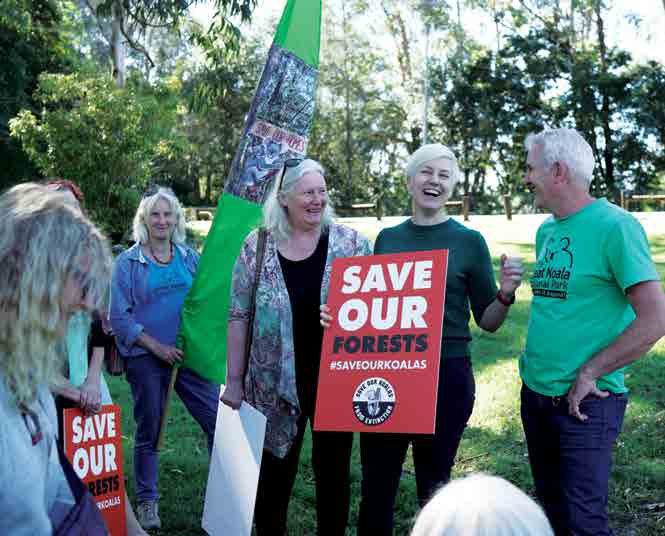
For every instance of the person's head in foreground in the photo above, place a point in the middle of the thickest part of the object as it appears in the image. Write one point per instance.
(299, 201)
(68, 188)
(559, 168)
(53, 261)
(481, 505)
(432, 173)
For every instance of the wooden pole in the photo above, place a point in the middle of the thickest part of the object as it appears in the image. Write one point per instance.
(623, 200)
(165, 411)
(465, 207)
(507, 205)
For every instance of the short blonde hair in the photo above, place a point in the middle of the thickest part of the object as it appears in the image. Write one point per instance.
(44, 241)
(140, 227)
(275, 217)
(429, 152)
(481, 505)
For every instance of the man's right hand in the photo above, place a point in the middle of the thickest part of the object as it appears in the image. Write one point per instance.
(233, 395)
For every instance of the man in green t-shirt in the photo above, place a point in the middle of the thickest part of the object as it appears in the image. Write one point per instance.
(597, 306)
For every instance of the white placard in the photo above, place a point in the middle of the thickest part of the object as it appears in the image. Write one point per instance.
(234, 471)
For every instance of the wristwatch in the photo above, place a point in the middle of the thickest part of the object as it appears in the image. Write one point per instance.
(505, 301)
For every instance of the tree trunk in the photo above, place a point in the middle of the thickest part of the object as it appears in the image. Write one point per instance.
(397, 28)
(117, 45)
(608, 151)
(347, 98)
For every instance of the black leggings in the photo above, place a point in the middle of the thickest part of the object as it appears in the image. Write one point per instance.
(331, 455)
(382, 455)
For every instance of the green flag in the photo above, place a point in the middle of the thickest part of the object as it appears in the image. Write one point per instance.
(277, 128)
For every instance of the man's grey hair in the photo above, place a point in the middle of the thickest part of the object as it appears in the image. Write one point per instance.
(565, 145)
(275, 216)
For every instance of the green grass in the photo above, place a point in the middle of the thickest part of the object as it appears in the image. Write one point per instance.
(493, 442)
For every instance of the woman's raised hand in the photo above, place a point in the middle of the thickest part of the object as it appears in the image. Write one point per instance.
(511, 274)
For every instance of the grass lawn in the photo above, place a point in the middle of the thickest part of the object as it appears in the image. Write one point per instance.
(493, 442)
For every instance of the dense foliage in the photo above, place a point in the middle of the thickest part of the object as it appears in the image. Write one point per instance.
(117, 93)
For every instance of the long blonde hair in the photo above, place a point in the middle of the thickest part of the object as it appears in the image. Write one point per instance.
(44, 241)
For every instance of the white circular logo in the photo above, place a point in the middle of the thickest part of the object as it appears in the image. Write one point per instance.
(374, 401)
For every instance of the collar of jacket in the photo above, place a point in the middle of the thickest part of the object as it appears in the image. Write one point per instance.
(136, 254)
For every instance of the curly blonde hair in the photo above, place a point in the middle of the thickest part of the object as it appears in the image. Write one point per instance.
(140, 227)
(44, 242)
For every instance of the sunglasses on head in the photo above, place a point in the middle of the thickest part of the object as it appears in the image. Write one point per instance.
(154, 188)
(288, 163)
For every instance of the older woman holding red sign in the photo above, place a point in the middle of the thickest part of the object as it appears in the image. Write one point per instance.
(280, 376)
(53, 262)
(432, 173)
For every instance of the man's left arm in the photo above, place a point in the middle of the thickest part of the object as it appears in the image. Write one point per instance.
(637, 339)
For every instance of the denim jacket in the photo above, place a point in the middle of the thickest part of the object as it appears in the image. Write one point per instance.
(129, 288)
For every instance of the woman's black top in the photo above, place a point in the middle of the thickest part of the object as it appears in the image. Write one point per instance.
(303, 282)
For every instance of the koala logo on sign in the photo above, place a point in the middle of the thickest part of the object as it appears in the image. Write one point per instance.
(374, 401)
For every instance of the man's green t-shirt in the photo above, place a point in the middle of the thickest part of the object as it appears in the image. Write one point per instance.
(470, 278)
(584, 264)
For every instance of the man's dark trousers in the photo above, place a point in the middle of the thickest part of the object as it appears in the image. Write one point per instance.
(571, 459)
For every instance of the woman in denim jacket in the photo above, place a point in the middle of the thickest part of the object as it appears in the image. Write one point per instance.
(150, 282)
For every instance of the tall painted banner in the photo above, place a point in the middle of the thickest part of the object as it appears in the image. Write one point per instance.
(277, 128)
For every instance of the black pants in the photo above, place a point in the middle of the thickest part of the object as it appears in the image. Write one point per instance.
(382, 455)
(331, 458)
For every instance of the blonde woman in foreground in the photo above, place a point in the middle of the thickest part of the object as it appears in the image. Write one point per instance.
(53, 262)
(481, 505)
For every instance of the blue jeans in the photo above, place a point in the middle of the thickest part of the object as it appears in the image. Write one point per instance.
(149, 379)
(382, 455)
(571, 459)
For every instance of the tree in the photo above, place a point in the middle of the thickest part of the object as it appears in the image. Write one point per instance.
(102, 137)
(31, 42)
(127, 22)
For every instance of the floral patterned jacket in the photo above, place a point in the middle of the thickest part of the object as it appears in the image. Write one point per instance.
(270, 382)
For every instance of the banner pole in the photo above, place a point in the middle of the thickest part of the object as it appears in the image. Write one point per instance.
(165, 413)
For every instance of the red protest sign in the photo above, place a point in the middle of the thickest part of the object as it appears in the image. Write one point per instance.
(93, 445)
(380, 356)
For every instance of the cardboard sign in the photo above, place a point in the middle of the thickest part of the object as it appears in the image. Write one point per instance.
(93, 445)
(380, 356)
(234, 471)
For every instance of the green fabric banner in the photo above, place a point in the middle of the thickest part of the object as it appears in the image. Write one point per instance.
(205, 311)
(276, 129)
(299, 30)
